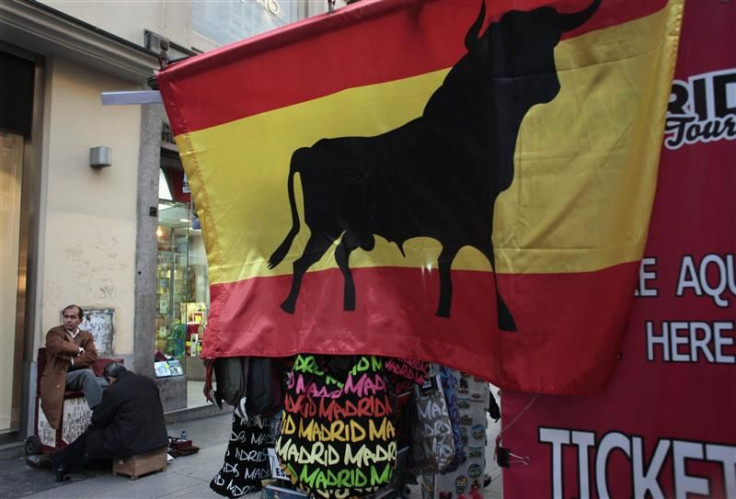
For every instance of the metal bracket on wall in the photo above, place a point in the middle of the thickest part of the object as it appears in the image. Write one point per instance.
(131, 97)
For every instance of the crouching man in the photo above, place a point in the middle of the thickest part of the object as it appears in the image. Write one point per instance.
(128, 421)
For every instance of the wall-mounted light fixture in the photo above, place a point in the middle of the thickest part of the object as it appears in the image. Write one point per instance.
(100, 156)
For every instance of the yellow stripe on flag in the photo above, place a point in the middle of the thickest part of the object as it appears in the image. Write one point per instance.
(582, 190)
(585, 164)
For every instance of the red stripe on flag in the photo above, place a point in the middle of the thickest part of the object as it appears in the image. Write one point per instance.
(588, 311)
(368, 43)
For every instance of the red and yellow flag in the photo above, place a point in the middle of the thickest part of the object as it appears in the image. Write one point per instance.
(451, 181)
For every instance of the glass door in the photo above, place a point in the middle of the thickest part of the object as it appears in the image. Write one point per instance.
(174, 288)
(11, 170)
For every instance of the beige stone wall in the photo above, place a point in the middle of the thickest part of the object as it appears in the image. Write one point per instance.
(170, 18)
(88, 219)
(129, 19)
(125, 19)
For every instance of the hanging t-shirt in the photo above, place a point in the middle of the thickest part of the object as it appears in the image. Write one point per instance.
(337, 436)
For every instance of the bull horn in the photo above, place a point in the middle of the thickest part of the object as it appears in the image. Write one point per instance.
(571, 21)
(472, 35)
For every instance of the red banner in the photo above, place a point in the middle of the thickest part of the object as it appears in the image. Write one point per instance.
(666, 425)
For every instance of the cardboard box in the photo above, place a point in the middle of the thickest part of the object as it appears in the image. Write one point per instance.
(274, 492)
(140, 464)
(273, 461)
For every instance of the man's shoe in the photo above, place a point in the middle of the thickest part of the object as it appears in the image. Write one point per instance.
(61, 474)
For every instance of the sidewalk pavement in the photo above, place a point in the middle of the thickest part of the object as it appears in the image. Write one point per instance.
(186, 476)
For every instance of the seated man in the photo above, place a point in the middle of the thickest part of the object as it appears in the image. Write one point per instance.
(70, 353)
(128, 421)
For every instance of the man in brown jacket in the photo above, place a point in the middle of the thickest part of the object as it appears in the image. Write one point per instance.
(70, 353)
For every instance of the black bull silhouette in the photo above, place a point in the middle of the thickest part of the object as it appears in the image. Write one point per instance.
(438, 175)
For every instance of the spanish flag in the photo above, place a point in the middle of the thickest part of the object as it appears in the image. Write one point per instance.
(462, 182)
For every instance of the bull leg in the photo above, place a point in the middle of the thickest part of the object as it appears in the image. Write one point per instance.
(503, 314)
(342, 255)
(505, 319)
(313, 251)
(444, 262)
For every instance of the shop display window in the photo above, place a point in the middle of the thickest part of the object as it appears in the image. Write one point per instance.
(182, 292)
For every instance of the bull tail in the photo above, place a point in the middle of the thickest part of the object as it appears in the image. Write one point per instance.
(283, 248)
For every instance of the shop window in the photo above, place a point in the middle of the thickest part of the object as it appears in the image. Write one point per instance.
(182, 285)
(11, 172)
